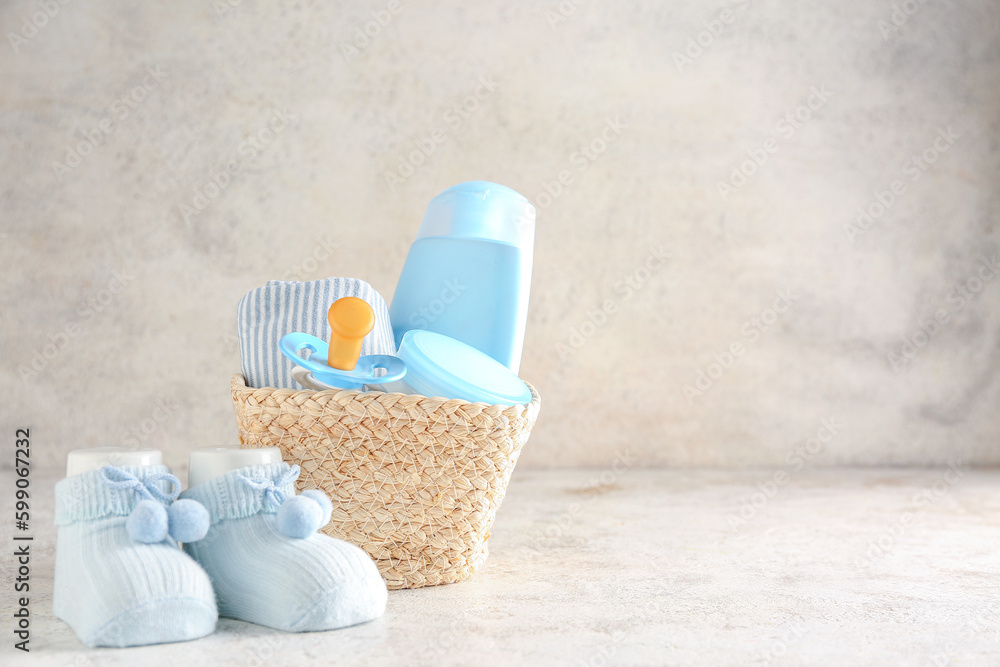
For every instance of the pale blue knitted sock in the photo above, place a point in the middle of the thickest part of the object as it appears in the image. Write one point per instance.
(112, 589)
(263, 575)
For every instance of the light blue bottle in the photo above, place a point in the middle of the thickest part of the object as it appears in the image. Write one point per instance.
(468, 273)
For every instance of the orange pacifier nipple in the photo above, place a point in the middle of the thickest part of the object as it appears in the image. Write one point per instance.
(351, 319)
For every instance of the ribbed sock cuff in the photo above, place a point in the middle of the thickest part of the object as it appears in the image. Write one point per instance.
(246, 491)
(87, 496)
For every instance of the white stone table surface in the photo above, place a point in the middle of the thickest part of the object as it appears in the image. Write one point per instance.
(649, 567)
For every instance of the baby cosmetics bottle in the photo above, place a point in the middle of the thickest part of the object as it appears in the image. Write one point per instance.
(468, 272)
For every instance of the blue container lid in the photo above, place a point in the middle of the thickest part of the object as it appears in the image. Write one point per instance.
(481, 210)
(438, 365)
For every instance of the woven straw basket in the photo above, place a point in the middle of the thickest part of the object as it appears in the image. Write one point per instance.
(415, 481)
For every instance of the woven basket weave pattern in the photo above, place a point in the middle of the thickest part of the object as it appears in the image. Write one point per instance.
(415, 481)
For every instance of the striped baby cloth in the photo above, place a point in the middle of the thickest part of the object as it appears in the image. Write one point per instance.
(267, 313)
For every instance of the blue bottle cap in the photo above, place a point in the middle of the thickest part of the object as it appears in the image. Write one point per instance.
(437, 365)
(481, 210)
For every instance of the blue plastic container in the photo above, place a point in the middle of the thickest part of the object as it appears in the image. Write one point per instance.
(437, 365)
(468, 273)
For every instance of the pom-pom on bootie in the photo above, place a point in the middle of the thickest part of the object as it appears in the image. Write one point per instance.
(158, 514)
(267, 562)
(120, 578)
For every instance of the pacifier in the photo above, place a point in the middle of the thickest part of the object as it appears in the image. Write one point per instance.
(337, 365)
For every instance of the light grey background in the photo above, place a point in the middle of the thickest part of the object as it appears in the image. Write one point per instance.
(176, 93)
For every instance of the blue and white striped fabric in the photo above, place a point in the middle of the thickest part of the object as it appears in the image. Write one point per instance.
(267, 313)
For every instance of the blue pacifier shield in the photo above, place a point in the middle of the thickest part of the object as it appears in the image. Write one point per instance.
(293, 344)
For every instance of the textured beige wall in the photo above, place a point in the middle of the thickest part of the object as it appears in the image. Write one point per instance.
(102, 258)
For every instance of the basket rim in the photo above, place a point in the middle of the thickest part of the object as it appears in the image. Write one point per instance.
(238, 385)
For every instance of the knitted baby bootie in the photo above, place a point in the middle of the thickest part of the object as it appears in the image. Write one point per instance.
(267, 562)
(120, 578)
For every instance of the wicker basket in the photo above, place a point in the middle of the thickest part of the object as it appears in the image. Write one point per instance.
(415, 481)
